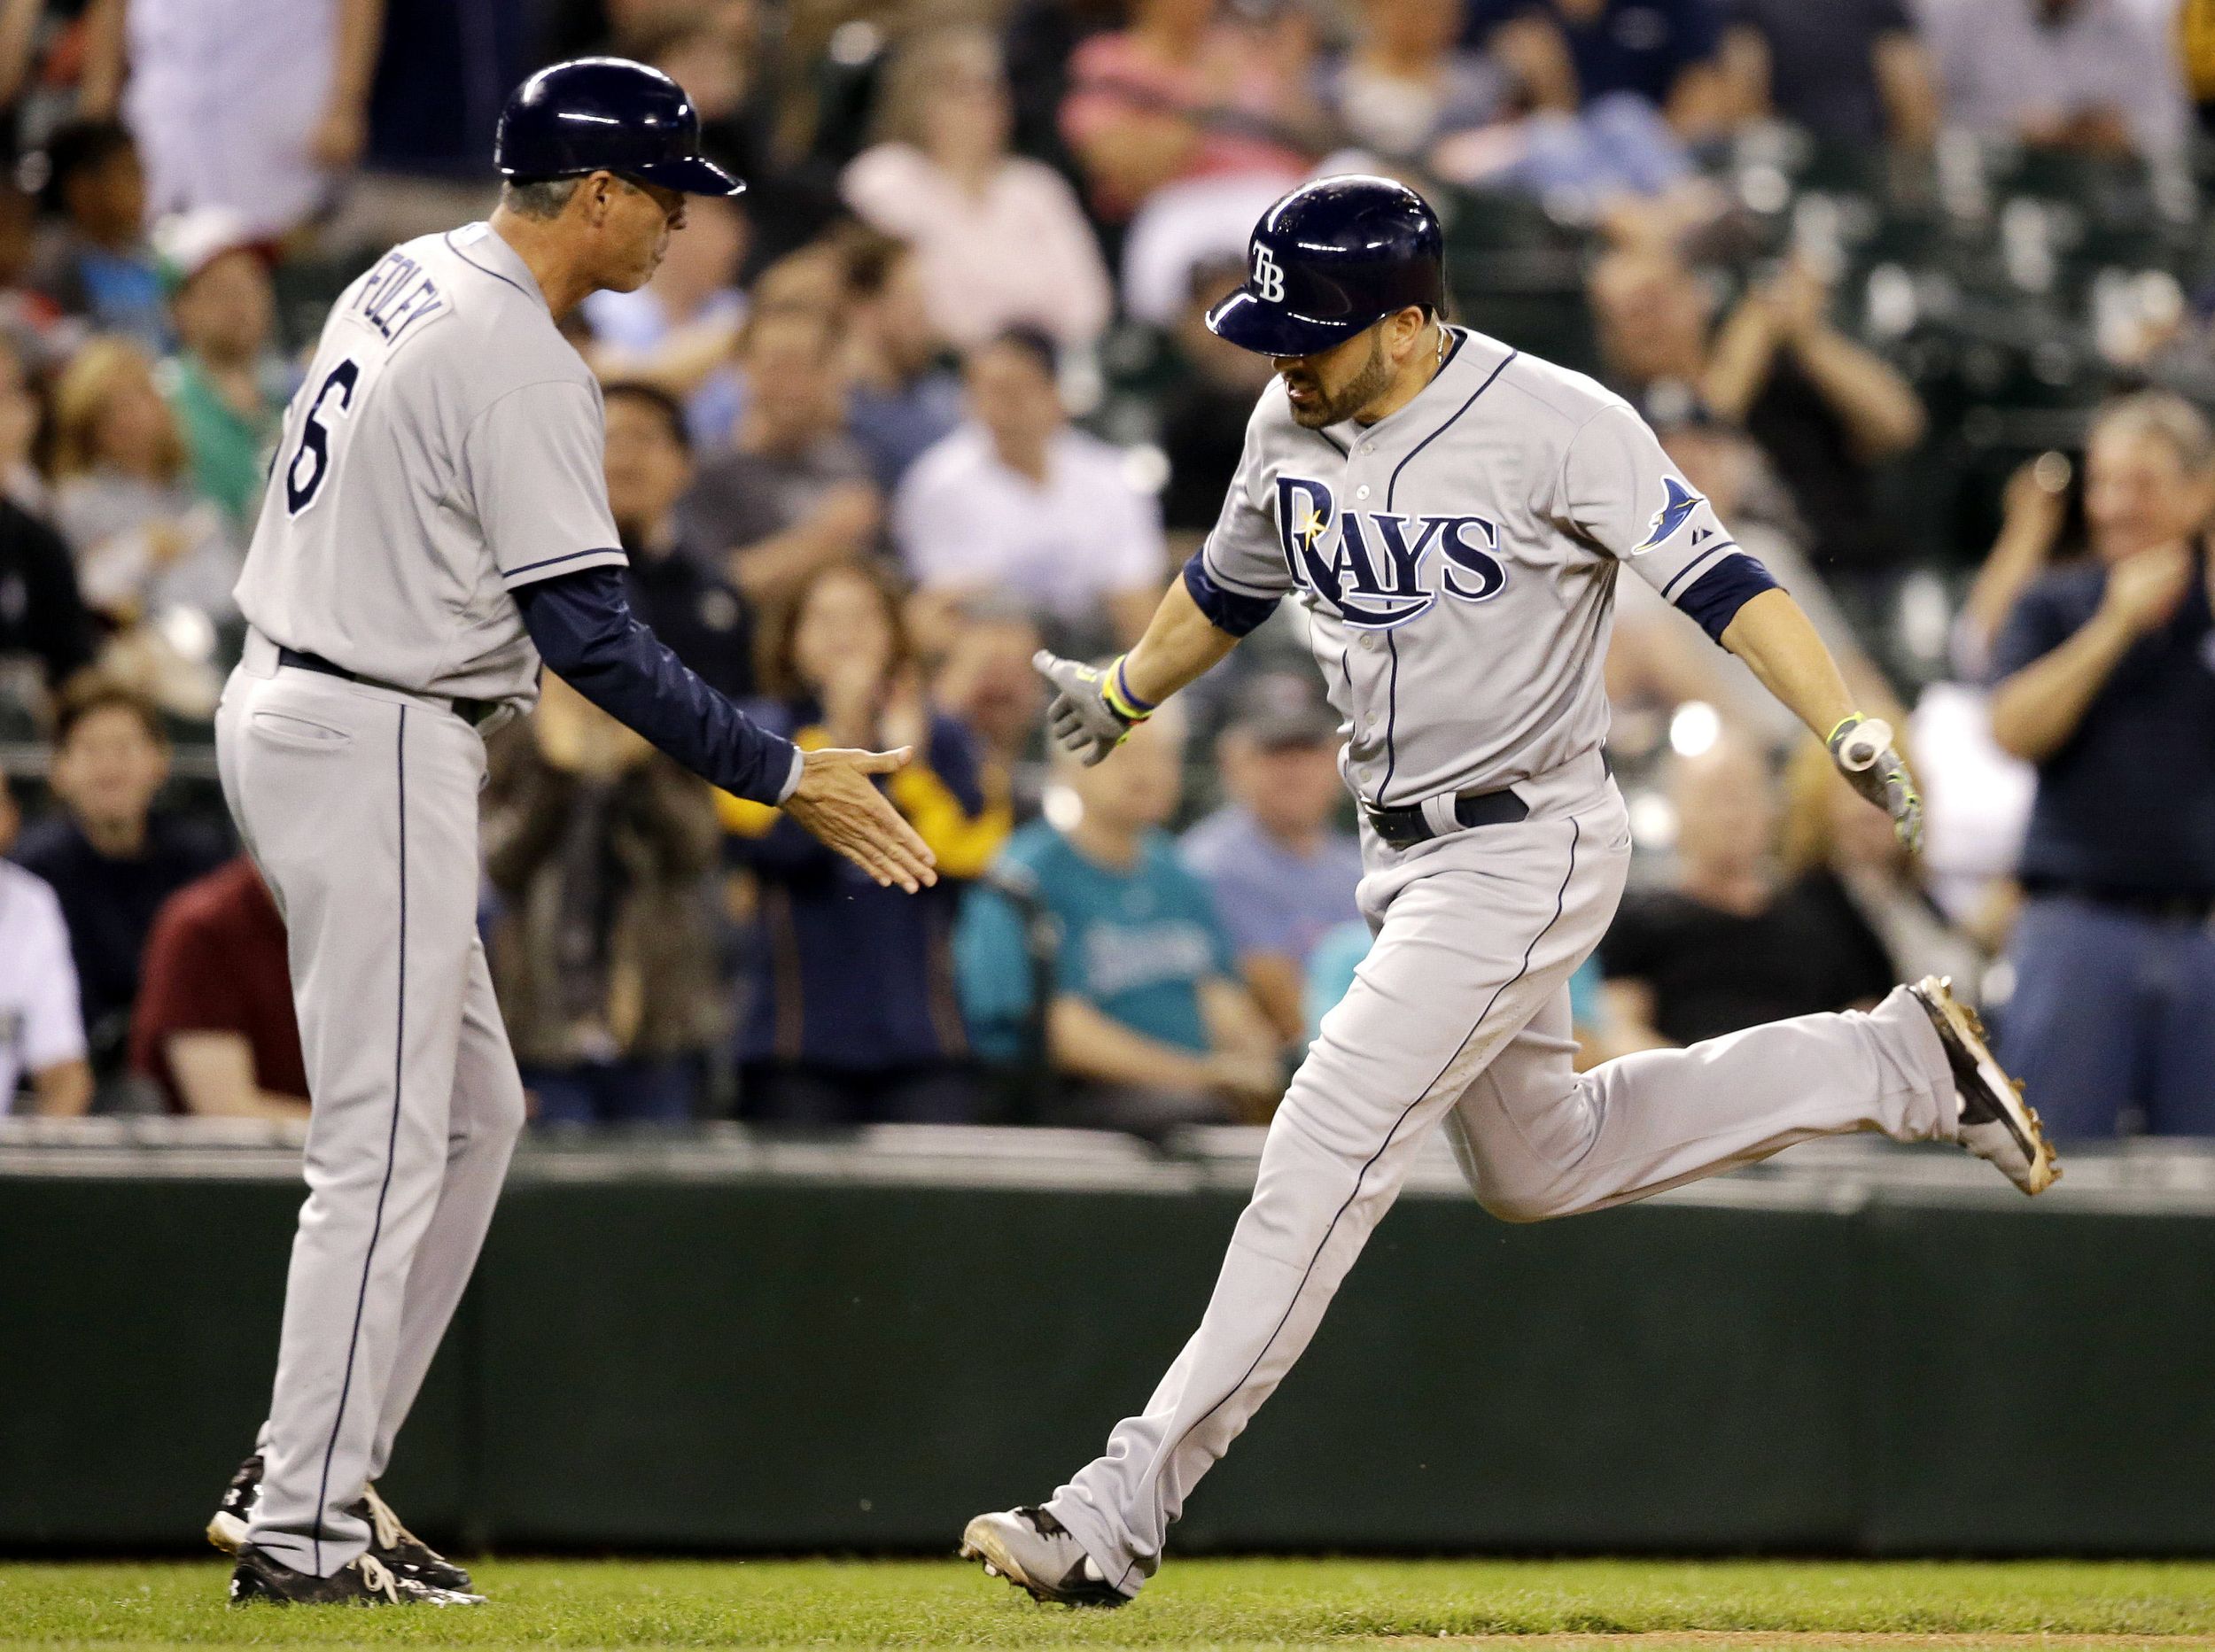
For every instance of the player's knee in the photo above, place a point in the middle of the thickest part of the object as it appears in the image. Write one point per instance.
(1519, 1201)
(502, 1113)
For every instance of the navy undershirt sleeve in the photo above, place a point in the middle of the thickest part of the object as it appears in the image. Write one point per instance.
(1716, 596)
(586, 634)
(1226, 610)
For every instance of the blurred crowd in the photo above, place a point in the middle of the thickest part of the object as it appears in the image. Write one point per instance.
(935, 392)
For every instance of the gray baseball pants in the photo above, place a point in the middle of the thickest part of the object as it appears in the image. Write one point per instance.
(358, 805)
(1460, 1014)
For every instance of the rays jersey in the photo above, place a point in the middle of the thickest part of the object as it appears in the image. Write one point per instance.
(1458, 561)
(444, 451)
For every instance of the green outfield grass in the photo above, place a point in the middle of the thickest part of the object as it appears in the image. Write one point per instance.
(1195, 1603)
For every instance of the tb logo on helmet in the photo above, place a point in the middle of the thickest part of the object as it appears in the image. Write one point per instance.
(1269, 275)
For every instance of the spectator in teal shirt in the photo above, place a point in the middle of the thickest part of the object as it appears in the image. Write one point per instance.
(225, 384)
(1148, 1026)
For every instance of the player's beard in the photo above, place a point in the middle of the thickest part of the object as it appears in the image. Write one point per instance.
(1365, 387)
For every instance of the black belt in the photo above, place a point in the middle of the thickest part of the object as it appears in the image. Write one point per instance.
(2173, 909)
(1405, 827)
(470, 711)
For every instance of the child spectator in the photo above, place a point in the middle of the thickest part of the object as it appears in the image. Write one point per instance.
(1000, 240)
(111, 857)
(214, 1030)
(853, 1016)
(1148, 1026)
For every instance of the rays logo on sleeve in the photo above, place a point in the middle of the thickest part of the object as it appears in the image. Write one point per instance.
(1679, 505)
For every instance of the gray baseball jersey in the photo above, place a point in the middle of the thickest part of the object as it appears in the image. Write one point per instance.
(1458, 561)
(445, 450)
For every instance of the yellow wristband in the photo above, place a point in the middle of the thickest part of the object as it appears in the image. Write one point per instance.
(1118, 693)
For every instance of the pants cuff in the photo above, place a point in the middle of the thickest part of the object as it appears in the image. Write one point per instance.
(1912, 1062)
(1083, 1523)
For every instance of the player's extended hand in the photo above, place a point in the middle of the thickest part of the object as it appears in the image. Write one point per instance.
(837, 801)
(1861, 746)
(1081, 717)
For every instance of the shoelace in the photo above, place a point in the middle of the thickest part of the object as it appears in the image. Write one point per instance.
(379, 1577)
(383, 1522)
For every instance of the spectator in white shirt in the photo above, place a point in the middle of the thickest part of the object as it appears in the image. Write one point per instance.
(2098, 76)
(1001, 239)
(42, 1034)
(1017, 501)
(259, 106)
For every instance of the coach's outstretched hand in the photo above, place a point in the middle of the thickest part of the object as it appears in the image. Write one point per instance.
(1861, 746)
(837, 801)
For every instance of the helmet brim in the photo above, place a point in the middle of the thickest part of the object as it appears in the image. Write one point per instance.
(1269, 330)
(689, 175)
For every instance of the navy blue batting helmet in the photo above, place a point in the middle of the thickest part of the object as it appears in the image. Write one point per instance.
(1333, 257)
(594, 114)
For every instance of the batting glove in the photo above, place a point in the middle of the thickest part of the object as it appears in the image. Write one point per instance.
(1861, 748)
(1093, 709)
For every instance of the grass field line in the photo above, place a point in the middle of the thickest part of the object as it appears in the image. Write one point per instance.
(1344, 1604)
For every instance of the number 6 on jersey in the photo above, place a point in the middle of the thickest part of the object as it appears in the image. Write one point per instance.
(314, 451)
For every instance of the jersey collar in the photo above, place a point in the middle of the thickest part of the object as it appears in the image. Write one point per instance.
(480, 246)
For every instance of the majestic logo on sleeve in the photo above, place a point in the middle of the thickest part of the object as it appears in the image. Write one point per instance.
(1376, 568)
(1677, 508)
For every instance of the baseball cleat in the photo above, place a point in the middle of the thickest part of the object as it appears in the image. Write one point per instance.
(364, 1581)
(227, 1530)
(1034, 1552)
(1996, 1123)
(393, 1545)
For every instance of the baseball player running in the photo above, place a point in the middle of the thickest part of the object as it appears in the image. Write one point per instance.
(436, 525)
(1453, 515)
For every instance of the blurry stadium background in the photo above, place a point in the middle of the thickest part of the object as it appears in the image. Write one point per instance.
(819, 1169)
